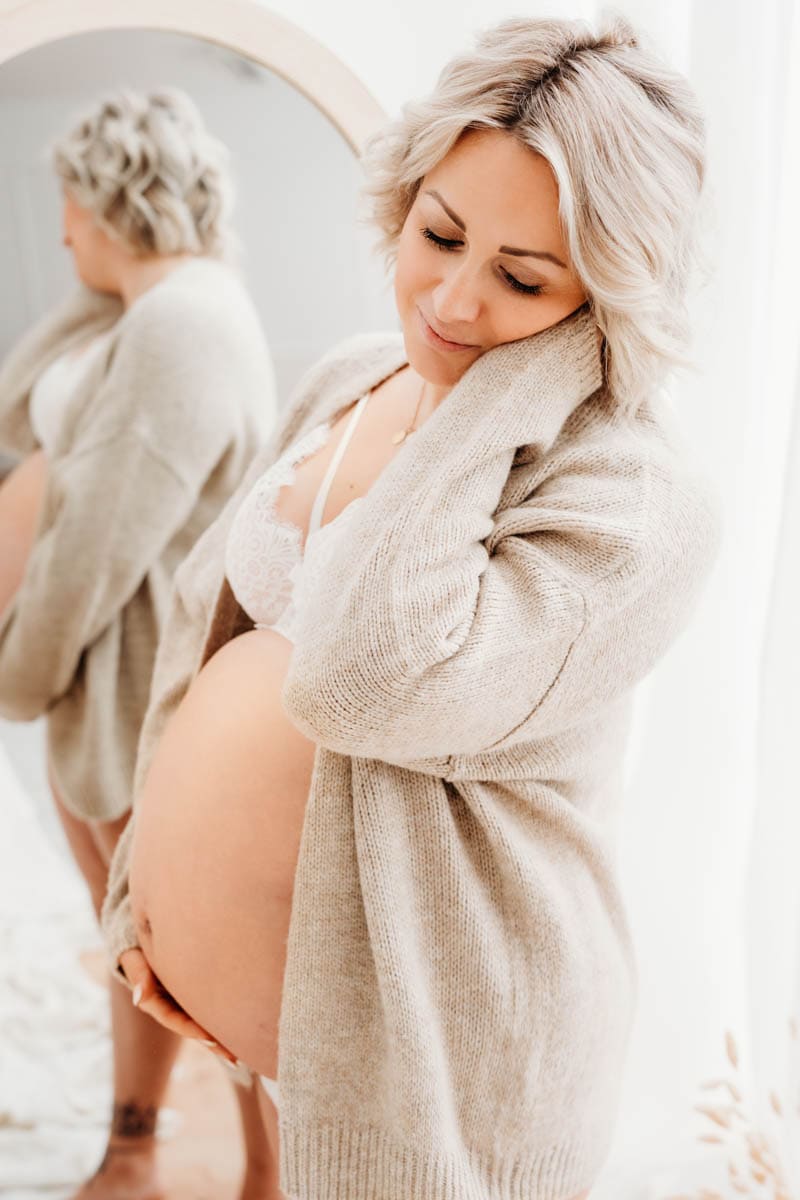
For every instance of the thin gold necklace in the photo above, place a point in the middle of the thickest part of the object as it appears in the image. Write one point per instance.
(401, 434)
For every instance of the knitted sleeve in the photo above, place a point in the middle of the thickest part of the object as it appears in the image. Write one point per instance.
(436, 647)
(446, 624)
(112, 504)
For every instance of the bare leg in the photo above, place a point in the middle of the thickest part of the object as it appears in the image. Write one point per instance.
(21, 494)
(260, 1127)
(144, 1054)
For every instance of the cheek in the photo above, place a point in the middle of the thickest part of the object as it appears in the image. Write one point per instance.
(403, 282)
(533, 315)
(412, 267)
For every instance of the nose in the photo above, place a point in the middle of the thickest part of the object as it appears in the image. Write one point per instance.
(455, 298)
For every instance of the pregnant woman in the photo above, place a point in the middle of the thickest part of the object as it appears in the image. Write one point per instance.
(372, 856)
(134, 409)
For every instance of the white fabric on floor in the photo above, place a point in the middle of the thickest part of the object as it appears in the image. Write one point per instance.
(54, 1047)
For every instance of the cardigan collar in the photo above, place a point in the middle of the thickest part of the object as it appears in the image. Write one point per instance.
(507, 380)
(516, 394)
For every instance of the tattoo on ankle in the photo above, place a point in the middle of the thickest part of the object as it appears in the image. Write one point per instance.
(131, 1120)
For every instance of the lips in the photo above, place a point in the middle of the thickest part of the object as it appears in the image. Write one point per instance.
(436, 338)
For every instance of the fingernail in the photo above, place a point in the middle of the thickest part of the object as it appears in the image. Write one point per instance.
(211, 1044)
(137, 994)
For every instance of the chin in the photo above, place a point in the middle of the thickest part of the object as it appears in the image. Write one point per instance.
(430, 365)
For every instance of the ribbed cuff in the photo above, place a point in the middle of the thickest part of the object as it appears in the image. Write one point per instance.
(332, 1162)
(119, 932)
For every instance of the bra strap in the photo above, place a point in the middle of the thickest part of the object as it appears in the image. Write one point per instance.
(324, 487)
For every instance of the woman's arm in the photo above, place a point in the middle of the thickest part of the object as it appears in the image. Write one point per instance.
(433, 629)
(196, 595)
(107, 517)
(195, 592)
(426, 632)
(157, 428)
(21, 499)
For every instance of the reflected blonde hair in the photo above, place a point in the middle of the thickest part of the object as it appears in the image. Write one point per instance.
(625, 139)
(151, 175)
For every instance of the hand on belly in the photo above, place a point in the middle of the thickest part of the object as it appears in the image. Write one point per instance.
(215, 846)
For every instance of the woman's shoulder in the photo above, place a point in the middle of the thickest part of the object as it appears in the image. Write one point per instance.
(203, 296)
(339, 375)
(642, 503)
(360, 351)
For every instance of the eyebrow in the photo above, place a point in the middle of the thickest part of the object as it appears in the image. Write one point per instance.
(503, 249)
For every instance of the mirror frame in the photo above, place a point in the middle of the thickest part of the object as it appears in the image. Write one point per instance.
(245, 26)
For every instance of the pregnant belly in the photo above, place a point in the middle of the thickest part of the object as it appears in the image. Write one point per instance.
(216, 842)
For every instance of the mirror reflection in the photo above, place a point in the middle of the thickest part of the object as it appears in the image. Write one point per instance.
(180, 244)
(376, 774)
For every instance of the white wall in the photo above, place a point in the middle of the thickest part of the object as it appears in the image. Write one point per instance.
(297, 183)
(685, 837)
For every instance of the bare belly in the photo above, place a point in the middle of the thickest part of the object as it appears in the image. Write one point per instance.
(216, 843)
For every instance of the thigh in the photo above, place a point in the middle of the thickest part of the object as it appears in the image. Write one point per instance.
(85, 850)
(106, 834)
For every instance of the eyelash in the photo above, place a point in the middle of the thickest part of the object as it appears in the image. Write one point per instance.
(533, 289)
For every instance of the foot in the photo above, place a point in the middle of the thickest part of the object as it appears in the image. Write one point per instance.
(128, 1172)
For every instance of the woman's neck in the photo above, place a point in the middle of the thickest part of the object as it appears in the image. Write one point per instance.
(138, 275)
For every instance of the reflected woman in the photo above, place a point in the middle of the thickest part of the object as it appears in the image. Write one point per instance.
(134, 409)
(372, 853)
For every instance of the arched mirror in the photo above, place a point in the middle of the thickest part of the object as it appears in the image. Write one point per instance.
(308, 262)
(293, 118)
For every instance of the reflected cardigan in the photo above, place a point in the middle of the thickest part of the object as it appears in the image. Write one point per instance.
(153, 441)
(460, 980)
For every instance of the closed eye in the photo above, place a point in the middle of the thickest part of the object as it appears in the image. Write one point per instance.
(445, 244)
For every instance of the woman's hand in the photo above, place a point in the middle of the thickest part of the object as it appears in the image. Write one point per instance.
(150, 995)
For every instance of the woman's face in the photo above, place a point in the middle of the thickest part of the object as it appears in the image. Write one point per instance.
(481, 259)
(93, 252)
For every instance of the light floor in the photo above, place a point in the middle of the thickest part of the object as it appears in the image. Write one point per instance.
(54, 1048)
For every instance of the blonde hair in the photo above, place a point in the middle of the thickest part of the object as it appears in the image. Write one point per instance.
(625, 139)
(151, 175)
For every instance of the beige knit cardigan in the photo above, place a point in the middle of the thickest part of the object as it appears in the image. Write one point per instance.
(460, 980)
(154, 440)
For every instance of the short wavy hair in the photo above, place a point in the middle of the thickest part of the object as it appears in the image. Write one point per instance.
(625, 139)
(154, 179)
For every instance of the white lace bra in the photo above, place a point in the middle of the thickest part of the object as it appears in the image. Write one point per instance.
(54, 386)
(265, 562)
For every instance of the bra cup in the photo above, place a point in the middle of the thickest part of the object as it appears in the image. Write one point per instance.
(264, 555)
(261, 550)
(320, 545)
